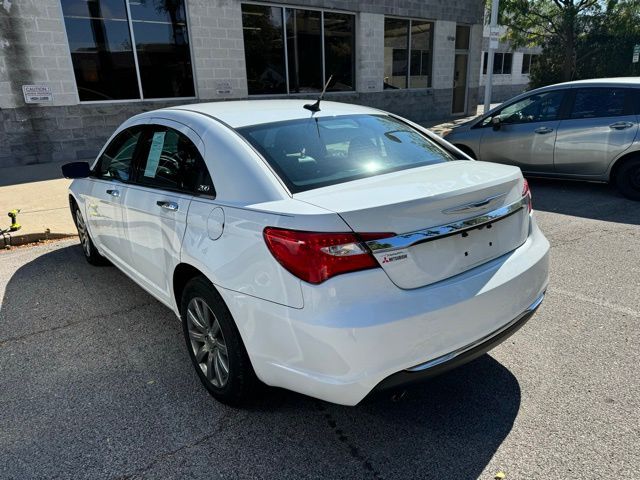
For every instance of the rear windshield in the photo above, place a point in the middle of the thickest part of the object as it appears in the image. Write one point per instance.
(317, 152)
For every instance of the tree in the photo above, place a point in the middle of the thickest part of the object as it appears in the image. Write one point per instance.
(579, 38)
(555, 25)
(606, 47)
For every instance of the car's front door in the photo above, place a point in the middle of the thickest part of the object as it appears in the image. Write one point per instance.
(600, 126)
(527, 132)
(111, 176)
(167, 176)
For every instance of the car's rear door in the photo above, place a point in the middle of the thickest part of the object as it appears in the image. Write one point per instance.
(167, 176)
(111, 178)
(527, 133)
(601, 125)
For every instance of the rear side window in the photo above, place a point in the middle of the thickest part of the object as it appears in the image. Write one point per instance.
(170, 161)
(602, 102)
(316, 152)
(115, 162)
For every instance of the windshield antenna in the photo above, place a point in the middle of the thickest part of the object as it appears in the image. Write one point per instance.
(315, 107)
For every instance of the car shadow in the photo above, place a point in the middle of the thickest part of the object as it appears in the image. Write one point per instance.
(95, 372)
(597, 201)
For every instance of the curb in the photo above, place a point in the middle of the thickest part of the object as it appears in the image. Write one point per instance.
(25, 238)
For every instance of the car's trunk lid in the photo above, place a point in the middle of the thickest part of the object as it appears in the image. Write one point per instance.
(439, 215)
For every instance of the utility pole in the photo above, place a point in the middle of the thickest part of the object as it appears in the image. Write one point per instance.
(493, 44)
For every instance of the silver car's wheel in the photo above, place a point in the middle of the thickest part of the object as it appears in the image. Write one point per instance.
(207, 342)
(83, 234)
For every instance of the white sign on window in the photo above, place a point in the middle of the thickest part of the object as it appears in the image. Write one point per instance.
(494, 38)
(157, 143)
(37, 93)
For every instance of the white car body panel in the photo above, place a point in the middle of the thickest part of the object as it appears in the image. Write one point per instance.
(322, 340)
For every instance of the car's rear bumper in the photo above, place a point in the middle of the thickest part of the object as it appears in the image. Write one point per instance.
(357, 331)
(458, 357)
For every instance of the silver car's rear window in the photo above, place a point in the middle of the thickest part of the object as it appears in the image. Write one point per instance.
(317, 152)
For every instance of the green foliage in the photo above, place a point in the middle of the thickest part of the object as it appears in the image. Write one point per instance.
(579, 38)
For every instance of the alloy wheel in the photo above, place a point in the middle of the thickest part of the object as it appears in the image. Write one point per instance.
(207, 342)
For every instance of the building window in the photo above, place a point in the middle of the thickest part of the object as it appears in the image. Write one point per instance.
(407, 53)
(501, 63)
(106, 65)
(528, 60)
(318, 45)
(264, 49)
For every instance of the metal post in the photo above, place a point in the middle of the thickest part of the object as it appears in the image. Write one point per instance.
(489, 77)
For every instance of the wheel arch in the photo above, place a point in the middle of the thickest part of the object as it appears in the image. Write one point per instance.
(466, 149)
(181, 276)
(613, 171)
(73, 202)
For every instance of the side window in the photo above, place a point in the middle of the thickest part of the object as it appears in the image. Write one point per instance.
(115, 162)
(541, 107)
(602, 102)
(173, 162)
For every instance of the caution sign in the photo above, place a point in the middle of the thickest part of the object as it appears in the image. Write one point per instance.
(37, 93)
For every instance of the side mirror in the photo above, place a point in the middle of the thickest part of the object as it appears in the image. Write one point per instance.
(496, 123)
(76, 170)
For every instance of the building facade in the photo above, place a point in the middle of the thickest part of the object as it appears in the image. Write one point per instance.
(72, 70)
(511, 67)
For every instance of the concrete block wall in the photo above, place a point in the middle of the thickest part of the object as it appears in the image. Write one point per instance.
(444, 43)
(34, 50)
(369, 52)
(218, 48)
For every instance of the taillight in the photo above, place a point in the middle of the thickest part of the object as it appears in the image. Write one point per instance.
(317, 256)
(526, 192)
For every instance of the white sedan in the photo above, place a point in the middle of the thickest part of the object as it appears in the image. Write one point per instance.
(333, 252)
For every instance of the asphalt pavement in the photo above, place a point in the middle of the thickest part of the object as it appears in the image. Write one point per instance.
(95, 381)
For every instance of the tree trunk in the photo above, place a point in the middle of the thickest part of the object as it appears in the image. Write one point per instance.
(570, 19)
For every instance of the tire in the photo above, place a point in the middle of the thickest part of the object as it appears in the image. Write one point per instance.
(88, 248)
(628, 179)
(214, 344)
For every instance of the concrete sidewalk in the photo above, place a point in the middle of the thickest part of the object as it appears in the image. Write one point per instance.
(40, 192)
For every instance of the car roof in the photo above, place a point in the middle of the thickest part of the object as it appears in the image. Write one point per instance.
(593, 82)
(242, 113)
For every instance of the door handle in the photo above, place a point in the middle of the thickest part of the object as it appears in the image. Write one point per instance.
(172, 206)
(621, 125)
(113, 193)
(543, 130)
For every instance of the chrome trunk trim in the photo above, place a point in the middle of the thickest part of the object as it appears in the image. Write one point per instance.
(406, 240)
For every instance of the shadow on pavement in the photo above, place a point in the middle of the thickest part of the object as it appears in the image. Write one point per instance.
(582, 199)
(96, 382)
(30, 173)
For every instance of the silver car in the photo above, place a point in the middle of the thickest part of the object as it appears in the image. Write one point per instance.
(585, 130)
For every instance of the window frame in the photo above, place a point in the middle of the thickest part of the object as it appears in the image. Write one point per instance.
(485, 61)
(140, 159)
(284, 7)
(528, 72)
(135, 60)
(407, 81)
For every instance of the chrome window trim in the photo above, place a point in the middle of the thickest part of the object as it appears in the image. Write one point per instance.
(406, 240)
(444, 358)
